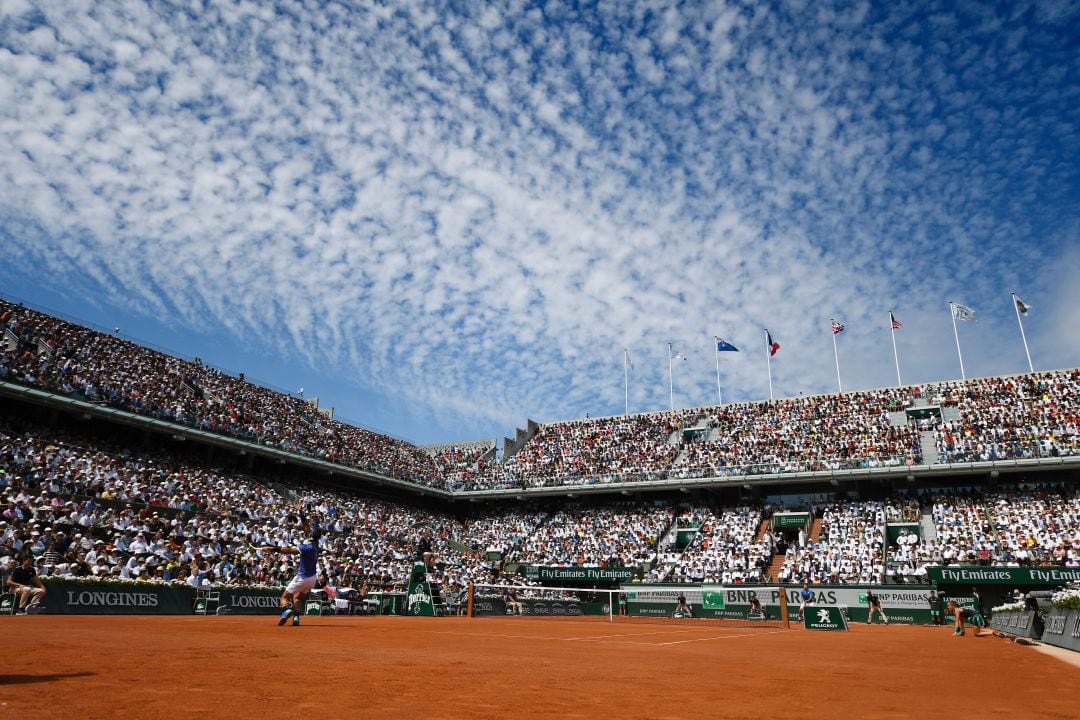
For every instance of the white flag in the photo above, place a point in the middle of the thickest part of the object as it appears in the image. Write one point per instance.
(962, 312)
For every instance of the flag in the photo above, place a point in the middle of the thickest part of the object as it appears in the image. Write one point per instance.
(896, 324)
(773, 346)
(837, 328)
(724, 346)
(629, 362)
(1020, 306)
(677, 356)
(962, 312)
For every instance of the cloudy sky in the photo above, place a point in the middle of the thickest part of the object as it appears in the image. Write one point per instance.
(445, 218)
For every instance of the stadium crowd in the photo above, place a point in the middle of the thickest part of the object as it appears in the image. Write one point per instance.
(726, 549)
(103, 511)
(1003, 418)
(848, 549)
(617, 535)
(614, 449)
(63, 357)
(995, 418)
(97, 510)
(828, 432)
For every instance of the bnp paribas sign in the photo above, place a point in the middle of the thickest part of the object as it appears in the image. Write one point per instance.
(971, 575)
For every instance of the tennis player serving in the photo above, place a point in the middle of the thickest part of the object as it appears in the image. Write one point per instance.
(300, 586)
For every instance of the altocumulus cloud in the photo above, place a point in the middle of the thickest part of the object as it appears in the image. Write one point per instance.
(477, 206)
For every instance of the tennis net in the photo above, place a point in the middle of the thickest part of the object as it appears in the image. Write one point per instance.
(686, 604)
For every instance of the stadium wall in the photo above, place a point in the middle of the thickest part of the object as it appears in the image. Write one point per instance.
(905, 604)
(1063, 629)
(80, 597)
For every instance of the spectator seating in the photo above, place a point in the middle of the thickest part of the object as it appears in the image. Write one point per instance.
(1024, 416)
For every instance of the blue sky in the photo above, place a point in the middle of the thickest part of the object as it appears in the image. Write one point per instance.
(445, 218)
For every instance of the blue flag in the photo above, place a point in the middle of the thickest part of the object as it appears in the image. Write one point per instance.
(724, 346)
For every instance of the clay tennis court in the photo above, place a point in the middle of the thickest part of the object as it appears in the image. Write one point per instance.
(381, 667)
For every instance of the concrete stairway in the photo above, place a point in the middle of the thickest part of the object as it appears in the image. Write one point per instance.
(927, 526)
(762, 528)
(929, 447)
(773, 571)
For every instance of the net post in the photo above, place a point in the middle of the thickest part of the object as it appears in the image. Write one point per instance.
(613, 596)
(784, 621)
(469, 604)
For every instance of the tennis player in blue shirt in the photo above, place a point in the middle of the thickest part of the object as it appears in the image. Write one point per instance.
(806, 596)
(300, 586)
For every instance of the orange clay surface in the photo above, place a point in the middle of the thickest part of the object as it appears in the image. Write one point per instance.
(507, 668)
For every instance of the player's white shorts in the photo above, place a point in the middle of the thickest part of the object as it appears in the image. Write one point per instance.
(299, 585)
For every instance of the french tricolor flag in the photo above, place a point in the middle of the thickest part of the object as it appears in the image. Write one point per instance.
(773, 345)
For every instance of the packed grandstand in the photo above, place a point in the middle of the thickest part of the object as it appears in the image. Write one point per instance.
(100, 500)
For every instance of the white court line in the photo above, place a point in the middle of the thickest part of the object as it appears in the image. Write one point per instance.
(600, 638)
(720, 637)
(638, 634)
(249, 621)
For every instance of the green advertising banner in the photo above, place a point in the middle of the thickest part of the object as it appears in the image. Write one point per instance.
(100, 598)
(902, 604)
(684, 535)
(540, 607)
(386, 603)
(489, 605)
(577, 574)
(973, 575)
(828, 617)
(791, 520)
(544, 607)
(419, 600)
(249, 601)
(712, 597)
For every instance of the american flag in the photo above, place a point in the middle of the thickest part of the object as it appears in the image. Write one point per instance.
(896, 324)
(837, 328)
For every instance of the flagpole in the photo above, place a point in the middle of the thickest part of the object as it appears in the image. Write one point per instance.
(896, 358)
(956, 334)
(716, 352)
(670, 384)
(768, 360)
(626, 380)
(1031, 368)
(836, 356)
